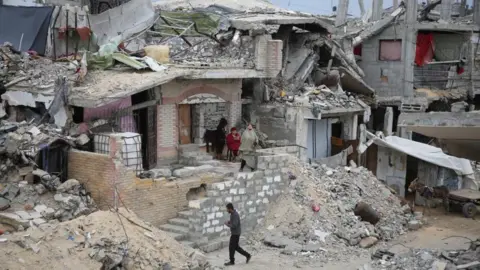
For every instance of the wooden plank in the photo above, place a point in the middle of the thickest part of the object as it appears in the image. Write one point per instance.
(185, 123)
(466, 193)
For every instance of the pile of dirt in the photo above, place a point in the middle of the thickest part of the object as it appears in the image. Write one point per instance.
(315, 217)
(112, 239)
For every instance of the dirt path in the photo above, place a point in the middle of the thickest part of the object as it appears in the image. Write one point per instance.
(440, 226)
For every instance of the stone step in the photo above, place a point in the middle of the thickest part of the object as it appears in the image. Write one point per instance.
(212, 162)
(179, 222)
(185, 214)
(188, 243)
(174, 229)
(176, 236)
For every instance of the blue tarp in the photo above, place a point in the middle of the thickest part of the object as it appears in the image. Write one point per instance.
(32, 22)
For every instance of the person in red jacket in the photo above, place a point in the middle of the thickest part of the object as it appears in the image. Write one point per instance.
(233, 141)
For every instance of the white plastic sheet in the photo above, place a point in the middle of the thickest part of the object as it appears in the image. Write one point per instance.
(426, 153)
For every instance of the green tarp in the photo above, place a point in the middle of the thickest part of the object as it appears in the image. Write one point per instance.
(207, 23)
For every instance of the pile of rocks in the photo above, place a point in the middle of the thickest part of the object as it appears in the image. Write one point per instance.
(429, 259)
(33, 205)
(319, 210)
(326, 99)
(21, 142)
(101, 240)
(207, 52)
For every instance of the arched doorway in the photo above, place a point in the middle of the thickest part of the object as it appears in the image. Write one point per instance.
(197, 113)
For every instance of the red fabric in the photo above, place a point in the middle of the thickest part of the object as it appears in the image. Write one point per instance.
(358, 50)
(424, 51)
(233, 143)
(460, 70)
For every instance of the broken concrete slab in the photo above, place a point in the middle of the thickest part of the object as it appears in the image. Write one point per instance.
(414, 225)
(82, 139)
(19, 98)
(4, 204)
(13, 220)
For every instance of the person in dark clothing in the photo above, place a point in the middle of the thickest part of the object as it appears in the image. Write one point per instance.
(236, 230)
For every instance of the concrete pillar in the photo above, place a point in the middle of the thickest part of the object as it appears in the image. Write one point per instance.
(409, 44)
(235, 114)
(446, 10)
(342, 10)
(395, 4)
(362, 7)
(388, 122)
(377, 10)
(201, 124)
(476, 12)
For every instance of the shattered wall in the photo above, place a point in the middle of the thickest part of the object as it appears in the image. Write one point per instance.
(386, 77)
(392, 169)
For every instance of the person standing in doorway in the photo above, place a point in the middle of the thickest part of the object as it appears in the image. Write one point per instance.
(236, 230)
(247, 148)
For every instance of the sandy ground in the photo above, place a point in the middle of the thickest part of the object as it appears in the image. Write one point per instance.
(439, 227)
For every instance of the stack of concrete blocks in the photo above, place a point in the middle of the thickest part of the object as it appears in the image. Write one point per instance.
(292, 150)
(250, 193)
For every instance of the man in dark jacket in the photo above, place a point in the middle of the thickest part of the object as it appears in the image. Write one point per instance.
(236, 230)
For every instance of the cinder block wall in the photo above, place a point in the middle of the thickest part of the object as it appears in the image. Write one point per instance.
(154, 200)
(250, 194)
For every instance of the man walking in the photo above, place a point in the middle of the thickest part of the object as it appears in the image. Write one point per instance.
(235, 228)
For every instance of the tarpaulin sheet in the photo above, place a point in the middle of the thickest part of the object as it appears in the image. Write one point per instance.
(425, 152)
(31, 22)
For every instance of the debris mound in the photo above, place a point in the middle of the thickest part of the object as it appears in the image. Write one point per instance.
(429, 259)
(102, 240)
(317, 216)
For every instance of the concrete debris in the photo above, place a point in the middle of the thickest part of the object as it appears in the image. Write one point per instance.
(207, 52)
(291, 223)
(71, 201)
(321, 98)
(102, 240)
(21, 142)
(431, 259)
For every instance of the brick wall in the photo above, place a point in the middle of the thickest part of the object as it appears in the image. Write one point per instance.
(97, 172)
(153, 200)
(167, 133)
(250, 194)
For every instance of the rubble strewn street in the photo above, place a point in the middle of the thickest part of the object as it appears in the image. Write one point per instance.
(332, 140)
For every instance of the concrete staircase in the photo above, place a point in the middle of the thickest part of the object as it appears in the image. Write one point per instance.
(192, 155)
(178, 228)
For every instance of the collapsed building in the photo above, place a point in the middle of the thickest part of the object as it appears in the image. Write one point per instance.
(119, 101)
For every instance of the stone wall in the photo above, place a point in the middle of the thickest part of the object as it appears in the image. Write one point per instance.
(292, 150)
(250, 193)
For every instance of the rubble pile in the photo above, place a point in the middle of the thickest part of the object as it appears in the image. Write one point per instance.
(321, 98)
(30, 70)
(21, 142)
(102, 240)
(317, 214)
(27, 205)
(428, 259)
(207, 52)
